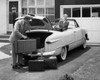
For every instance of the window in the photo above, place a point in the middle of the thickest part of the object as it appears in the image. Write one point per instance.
(50, 14)
(45, 20)
(50, 3)
(32, 10)
(31, 3)
(71, 25)
(67, 11)
(85, 12)
(24, 7)
(24, 10)
(36, 22)
(96, 12)
(82, 11)
(40, 2)
(40, 11)
(24, 3)
(50, 11)
(51, 17)
(75, 12)
(39, 7)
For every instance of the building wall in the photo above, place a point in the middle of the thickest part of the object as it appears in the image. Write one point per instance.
(87, 1)
(87, 14)
(3, 16)
(71, 2)
(57, 8)
(92, 25)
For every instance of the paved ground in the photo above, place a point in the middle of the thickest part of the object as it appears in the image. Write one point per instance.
(3, 51)
(80, 64)
(90, 70)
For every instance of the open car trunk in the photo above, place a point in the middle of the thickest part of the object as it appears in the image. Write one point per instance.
(40, 35)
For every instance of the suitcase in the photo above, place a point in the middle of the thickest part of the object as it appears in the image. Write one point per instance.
(36, 65)
(38, 43)
(26, 46)
(50, 63)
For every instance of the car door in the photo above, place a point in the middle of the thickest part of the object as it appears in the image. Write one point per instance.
(67, 37)
(73, 38)
(78, 34)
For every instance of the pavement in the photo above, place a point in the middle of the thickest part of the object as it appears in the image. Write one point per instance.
(2, 54)
(90, 70)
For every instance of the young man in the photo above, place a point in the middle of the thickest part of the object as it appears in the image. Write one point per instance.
(20, 27)
(63, 23)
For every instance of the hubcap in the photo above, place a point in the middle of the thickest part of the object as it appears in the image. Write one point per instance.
(63, 53)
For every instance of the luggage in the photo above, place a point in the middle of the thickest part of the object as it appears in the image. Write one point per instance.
(43, 63)
(50, 63)
(27, 46)
(38, 43)
(36, 65)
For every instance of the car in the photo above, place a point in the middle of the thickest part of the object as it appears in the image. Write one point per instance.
(54, 42)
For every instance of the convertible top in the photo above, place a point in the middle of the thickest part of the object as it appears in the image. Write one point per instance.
(38, 17)
(34, 17)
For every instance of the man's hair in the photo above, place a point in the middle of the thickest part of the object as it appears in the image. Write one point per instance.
(27, 17)
(65, 15)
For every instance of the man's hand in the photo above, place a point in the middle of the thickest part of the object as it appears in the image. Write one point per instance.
(25, 37)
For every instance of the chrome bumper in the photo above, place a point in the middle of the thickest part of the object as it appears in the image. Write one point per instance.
(51, 53)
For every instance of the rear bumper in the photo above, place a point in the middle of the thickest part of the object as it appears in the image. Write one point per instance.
(51, 53)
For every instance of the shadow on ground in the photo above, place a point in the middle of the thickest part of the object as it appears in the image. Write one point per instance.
(6, 49)
(70, 57)
(73, 55)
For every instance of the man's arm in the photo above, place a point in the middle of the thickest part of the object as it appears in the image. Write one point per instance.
(66, 25)
(16, 30)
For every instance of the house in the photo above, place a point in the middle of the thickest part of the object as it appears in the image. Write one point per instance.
(86, 12)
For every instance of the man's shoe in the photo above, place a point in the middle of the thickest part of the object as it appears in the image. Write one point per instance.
(21, 65)
(15, 67)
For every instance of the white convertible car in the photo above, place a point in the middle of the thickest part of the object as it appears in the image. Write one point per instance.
(53, 42)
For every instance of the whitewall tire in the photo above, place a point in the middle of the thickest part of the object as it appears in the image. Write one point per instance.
(63, 54)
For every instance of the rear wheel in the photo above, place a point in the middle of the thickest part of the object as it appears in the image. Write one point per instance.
(63, 54)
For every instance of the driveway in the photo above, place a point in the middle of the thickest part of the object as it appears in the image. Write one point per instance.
(76, 59)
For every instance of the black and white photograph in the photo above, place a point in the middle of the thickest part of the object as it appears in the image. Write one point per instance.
(49, 40)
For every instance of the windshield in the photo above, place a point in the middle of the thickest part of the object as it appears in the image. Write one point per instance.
(72, 24)
(40, 24)
(36, 22)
